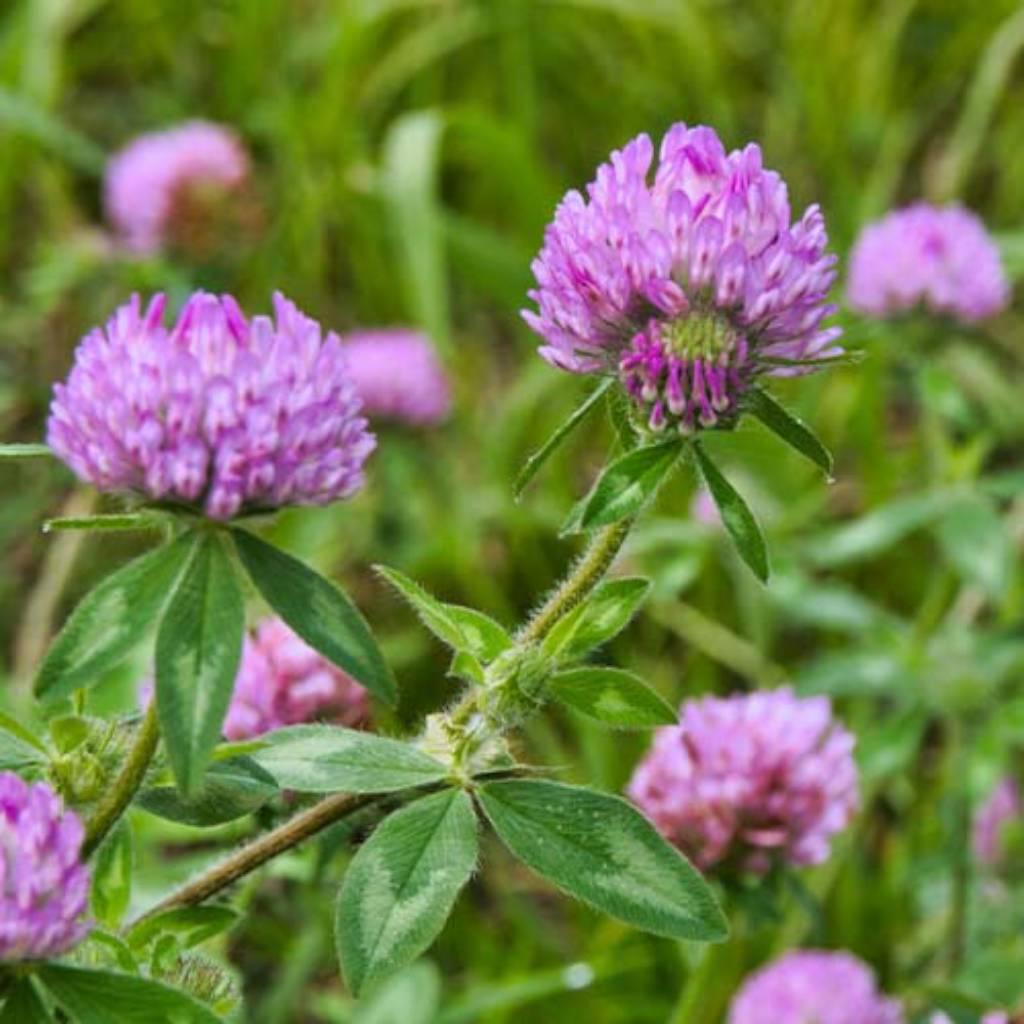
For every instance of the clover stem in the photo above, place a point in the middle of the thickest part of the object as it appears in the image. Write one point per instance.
(127, 783)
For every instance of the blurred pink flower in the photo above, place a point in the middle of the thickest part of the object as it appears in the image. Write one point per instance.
(1003, 805)
(813, 987)
(283, 681)
(398, 376)
(154, 172)
(44, 886)
(750, 780)
(941, 258)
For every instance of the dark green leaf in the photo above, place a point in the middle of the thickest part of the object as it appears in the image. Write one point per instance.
(606, 612)
(601, 850)
(198, 649)
(111, 619)
(539, 457)
(318, 611)
(790, 428)
(15, 754)
(24, 451)
(231, 789)
(400, 888)
(738, 520)
(8, 723)
(23, 1005)
(189, 925)
(108, 997)
(329, 759)
(112, 876)
(611, 696)
(628, 483)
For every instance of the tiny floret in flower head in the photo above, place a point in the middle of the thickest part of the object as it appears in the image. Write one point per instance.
(155, 173)
(220, 413)
(749, 781)
(283, 681)
(398, 376)
(813, 986)
(44, 887)
(939, 258)
(1003, 806)
(689, 285)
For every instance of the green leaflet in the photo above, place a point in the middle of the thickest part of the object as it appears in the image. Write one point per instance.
(329, 759)
(535, 462)
(601, 850)
(789, 428)
(464, 629)
(109, 997)
(111, 619)
(231, 789)
(400, 888)
(612, 697)
(112, 876)
(318, 611)
(627, 484)
(198, 649)
(604, 614)
(737, 518)
(23, 1005)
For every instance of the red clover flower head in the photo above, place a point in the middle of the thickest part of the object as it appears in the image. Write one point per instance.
(220, 413)
(44, 887)
(150, 179)
(750, 780)
(283, 681)
(941, 258)
(398, 376)
(813, 985)
(687, 286)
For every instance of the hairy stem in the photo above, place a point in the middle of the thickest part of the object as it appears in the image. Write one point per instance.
(582, 579)
(296, 830)
(127, 783)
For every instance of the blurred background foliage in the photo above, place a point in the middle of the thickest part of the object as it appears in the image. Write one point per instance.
(407, 155)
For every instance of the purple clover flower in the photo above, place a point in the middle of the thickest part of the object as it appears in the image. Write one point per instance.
(220, 413)
(398, 376)
(688, 287)
(994, 1017)
(813, 985)
(750, 780)
(282, 681)
(148, 179)
(1002, 806)
(44, 887)
(941, 258)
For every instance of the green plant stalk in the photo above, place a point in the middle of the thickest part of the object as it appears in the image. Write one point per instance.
(585, 575)
(296, 830)
(127, 783)
(961, 853)
(708, 987)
